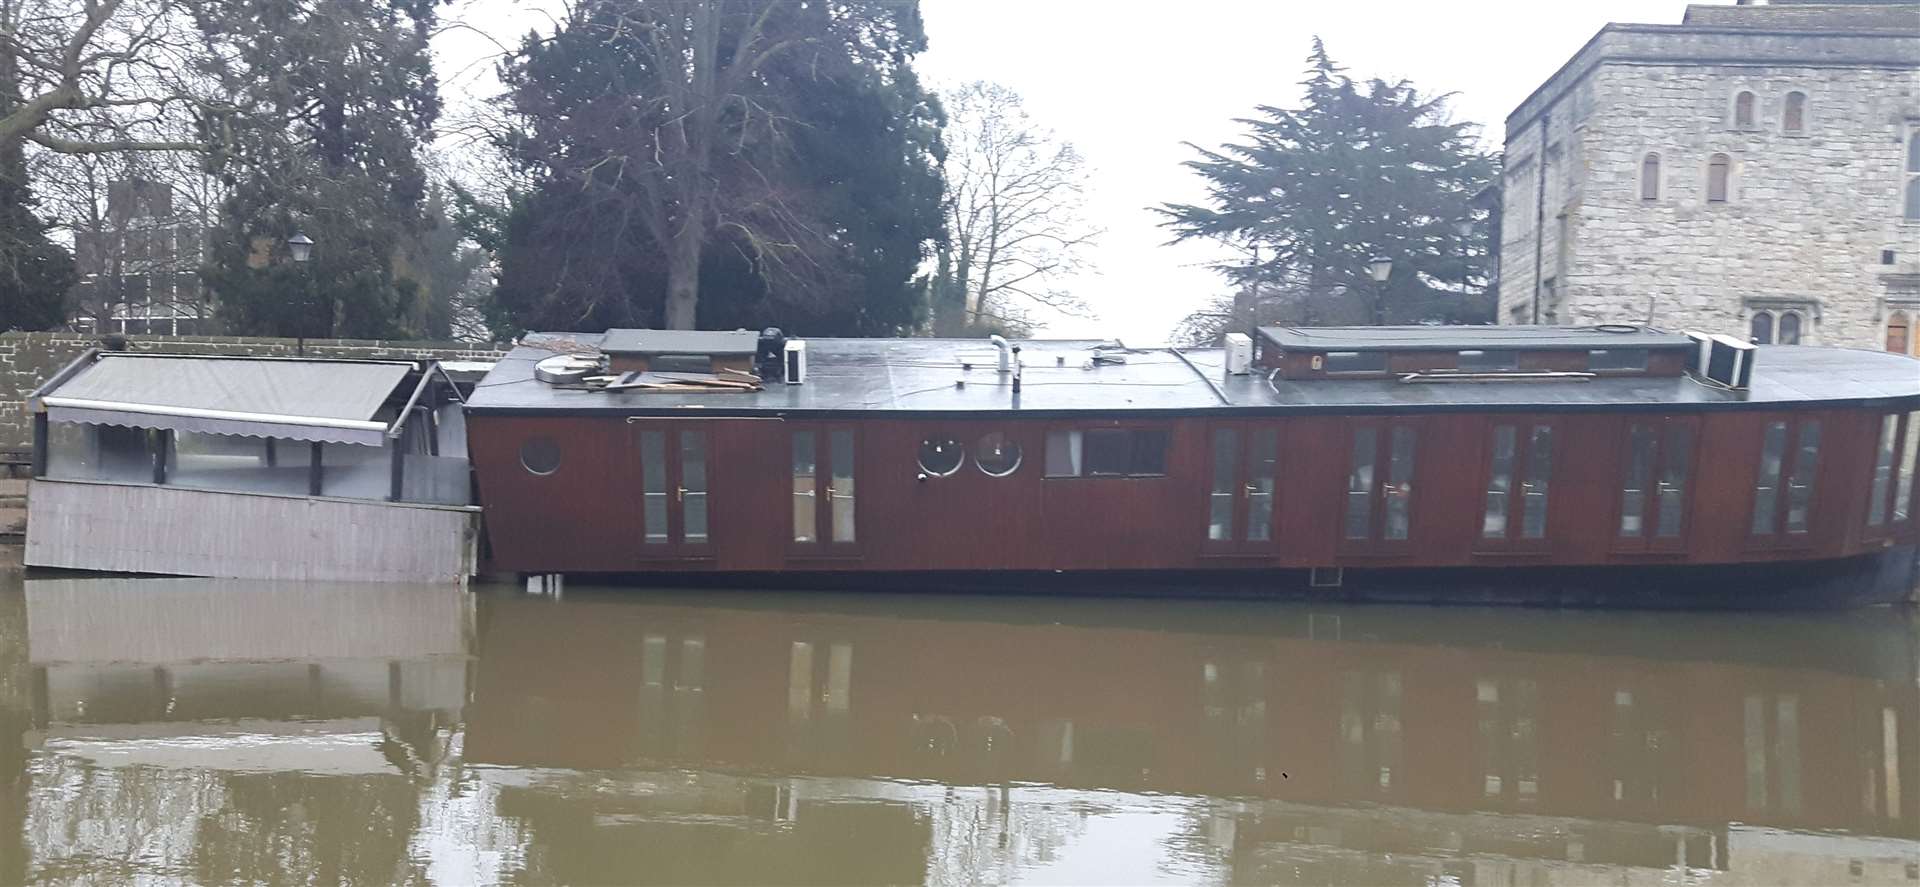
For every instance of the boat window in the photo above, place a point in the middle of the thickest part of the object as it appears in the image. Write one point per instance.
(1107, 452)
(941, 456)
(1806, 465)
(1642, 442)
(997, 455)
(1360, 485)
(1499, 482)
(653, 486)
(1904, 479)
(1399, 489)
(1676, 453)
(1489, 361)
(1883, 469)
(540, 455)
(805, 488)
(1766, 484)
(1063, 453)
(1356, 362)
(1533, 490)
(1220, 500)
(693, 486)
(1263, 458)
(1602, 360)
(840, 492)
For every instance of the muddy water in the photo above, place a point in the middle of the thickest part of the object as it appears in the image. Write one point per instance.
(185, 731)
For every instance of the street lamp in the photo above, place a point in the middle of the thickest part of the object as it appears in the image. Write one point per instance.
(301, 247)
(1380, 268)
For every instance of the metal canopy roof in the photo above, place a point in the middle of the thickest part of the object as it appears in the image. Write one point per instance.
(1469, 338)
(314, 400)
(877, 377)
(680, 342)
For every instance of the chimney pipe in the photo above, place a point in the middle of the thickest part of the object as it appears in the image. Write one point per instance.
(1001, 343)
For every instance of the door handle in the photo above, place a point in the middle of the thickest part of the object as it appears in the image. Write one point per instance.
(681, 496)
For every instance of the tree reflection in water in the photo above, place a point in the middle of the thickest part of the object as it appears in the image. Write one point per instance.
(178, 730)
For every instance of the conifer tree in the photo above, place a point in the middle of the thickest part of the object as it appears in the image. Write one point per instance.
(1358, 170)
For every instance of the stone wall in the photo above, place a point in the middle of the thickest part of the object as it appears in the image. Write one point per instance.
(1813, 223)
(1808, 217)
(26, 359)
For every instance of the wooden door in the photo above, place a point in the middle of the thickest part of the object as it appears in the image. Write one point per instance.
(825, 517)
(1241, 496)
(675, 491)
(1655, 499)
(1378, 513)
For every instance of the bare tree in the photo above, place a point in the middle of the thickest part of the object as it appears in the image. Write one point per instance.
(1014, 199)
(100, 76)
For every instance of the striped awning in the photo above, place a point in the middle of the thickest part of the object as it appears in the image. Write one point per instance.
(313, 400)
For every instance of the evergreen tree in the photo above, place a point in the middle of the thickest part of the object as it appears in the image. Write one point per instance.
(36, 274)
(341, 95)
(1359, 170)
(720, 164)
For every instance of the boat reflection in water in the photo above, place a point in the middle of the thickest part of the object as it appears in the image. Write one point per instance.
(194, 731)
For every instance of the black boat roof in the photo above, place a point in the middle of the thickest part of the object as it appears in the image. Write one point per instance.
(958, 377)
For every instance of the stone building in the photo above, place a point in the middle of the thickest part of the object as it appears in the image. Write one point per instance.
(139, 265)
(1753, 170)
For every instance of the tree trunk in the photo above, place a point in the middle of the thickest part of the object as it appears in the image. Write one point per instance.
(683, 276)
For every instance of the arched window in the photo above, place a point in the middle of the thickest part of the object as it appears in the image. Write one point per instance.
(1743, 110)
(1794, 118)
(1760, 330)
(1719, 177)
(1913, 177)
(1789, 333)
(1650, 177)
(1898, 333)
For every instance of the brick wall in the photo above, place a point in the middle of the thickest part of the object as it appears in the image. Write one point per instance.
(28, 358)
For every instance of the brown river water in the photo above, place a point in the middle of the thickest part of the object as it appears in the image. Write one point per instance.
(192, 731)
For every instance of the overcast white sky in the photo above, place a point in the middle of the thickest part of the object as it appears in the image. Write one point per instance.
(1128, 83)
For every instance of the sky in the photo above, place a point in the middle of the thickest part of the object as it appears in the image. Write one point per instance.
(1129, 83)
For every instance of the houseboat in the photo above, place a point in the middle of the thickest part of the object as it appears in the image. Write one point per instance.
(1611, 465)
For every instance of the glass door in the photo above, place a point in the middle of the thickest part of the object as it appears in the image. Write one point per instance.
(824, 493)
(674, 493)
(1241, 498)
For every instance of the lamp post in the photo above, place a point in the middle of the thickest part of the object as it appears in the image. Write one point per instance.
(301, 247)
(1380, 268)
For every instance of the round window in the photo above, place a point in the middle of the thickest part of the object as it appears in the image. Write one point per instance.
(941, 456)
(997, 455)
(540, 455)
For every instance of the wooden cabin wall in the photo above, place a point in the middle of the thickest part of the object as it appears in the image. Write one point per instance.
(585, 516)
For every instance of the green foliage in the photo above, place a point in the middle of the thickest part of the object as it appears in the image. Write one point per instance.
(813, 212)
(35, 273)
(1359, 170)
(341, 95)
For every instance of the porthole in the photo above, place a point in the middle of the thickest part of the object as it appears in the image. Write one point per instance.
(941, 456)
(997, 455)
(540, 455)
